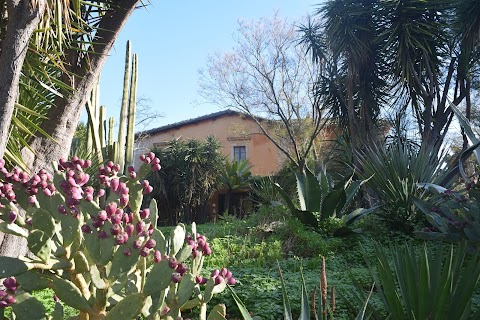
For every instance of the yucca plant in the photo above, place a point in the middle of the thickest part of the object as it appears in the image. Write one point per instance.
(320, 199)
(436, 283)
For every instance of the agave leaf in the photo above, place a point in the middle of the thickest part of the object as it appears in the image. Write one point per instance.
(241, 306)
(305, 307)
(361, 314)
(468, 129)
(287, 312)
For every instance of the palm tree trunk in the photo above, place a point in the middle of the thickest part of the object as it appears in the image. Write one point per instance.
(23, 18)
(64, 115)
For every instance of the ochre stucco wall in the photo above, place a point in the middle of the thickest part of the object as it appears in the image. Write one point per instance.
(231, 130)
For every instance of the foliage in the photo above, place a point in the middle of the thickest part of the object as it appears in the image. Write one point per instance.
(455, 216)
(320, 199)
(407, 54)
(435, 283)
(235, 175)
(103, 257)
(188, 178)
(395, 171)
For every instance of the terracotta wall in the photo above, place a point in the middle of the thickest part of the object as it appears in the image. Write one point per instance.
(231, 130)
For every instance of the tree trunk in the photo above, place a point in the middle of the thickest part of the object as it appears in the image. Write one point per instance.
(23, 18)
(64, 115)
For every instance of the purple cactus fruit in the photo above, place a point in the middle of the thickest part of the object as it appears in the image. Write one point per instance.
(150, 243)
(145, 213)
(223, 272)
(140, 227)
(231, 281)
(3, 294)
(137, 244)
(102, 234)
(215, 273)
(97, 223)
(102, 215)
(176, 277)
(123, 200)
(198, 279)
(207, 251)
(116, 167)
(156, 167)
(3, 304)
(12, 217)
(86, 229)
(219, 280)
(110, 208)
(55, 298)
(182, 268)
(10, 299)
(142, 157)
(101, 193)
(144, 252)
(157, 256)
(229, 275)
(129, 228)
(114, 183)
(116, 218)
(127, 252)
(10, 284)
(172, 263)
(147, 190)
(131, 169)
(121, 238)
(195, 254)
(115, 229)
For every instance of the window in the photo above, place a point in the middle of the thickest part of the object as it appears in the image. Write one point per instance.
(239, 153)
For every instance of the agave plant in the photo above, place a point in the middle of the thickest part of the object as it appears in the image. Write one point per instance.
(435, 283)
(321, 199)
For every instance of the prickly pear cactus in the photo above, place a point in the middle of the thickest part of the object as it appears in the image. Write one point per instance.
(99, 250)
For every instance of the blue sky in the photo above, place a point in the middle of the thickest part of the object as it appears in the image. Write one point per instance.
(173, 40)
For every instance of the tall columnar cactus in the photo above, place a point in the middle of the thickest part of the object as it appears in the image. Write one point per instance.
(107, 261)
(131, 114)
(124, 111)
(120, 152)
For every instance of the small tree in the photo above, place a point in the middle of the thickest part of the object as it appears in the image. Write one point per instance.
(188, 178)
(268, 74)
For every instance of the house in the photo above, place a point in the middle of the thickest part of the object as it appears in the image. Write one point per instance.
(239, 135)
(240, 138)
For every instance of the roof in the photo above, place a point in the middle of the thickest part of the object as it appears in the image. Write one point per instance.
(210, 116)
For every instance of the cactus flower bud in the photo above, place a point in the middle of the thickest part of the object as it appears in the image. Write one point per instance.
(176, 277)
(12, 217)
